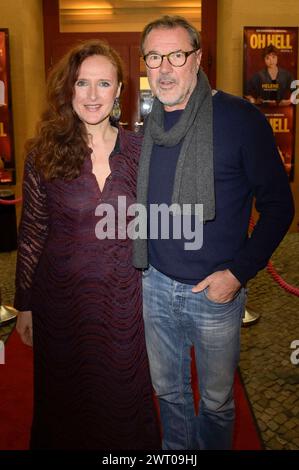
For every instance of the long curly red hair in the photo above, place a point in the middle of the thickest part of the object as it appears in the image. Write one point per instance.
(60, 144)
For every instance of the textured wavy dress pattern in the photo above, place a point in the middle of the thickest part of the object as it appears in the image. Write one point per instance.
(91, 379)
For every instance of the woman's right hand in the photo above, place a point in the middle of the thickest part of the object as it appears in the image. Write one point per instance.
(24, 327)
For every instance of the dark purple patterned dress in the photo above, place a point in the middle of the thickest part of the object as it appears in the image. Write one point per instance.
(92, 387)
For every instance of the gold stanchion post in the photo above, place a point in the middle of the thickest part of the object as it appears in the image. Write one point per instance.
(250, 317)
(7, 314)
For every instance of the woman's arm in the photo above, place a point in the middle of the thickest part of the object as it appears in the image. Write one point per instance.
(24, 327)
(33, 232)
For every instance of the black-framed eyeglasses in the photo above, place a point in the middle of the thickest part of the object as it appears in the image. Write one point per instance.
(153, 60)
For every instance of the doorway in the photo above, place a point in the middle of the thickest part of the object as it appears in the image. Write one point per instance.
(67, 22)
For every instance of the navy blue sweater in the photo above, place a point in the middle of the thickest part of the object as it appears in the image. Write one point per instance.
(247, 165)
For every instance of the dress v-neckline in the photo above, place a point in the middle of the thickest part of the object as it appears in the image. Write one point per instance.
(101, 190)
(116, 144)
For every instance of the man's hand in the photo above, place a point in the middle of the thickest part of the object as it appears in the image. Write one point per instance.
(222, 285)
(24, 327)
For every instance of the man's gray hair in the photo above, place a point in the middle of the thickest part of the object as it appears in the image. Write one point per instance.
(170, 22)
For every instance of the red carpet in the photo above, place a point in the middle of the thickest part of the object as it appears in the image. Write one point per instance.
(16, 402)
(15, 395)
(246, 435)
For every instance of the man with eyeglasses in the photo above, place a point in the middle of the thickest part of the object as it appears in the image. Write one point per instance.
(202, 147)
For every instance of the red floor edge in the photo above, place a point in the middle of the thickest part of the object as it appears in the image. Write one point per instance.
(16, 402)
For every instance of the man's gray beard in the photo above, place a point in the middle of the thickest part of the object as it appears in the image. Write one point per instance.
(179, 100)
(170, 103)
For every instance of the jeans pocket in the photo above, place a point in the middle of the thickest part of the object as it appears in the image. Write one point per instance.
(219, 304)
(147, 271)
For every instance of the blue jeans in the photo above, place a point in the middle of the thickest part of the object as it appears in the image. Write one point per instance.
(175, 319)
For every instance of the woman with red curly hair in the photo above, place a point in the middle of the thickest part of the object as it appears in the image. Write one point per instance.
(78, 294)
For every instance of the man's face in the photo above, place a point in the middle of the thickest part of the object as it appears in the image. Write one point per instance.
(172, 85)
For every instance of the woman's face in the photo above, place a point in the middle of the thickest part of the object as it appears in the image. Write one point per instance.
(95, 90)
(271, 59)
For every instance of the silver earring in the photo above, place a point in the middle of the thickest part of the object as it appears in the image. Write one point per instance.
(116, 110)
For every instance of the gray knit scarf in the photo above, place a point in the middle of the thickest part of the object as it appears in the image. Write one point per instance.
(194, 177)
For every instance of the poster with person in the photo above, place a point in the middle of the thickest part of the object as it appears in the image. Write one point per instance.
(7, 161)
(270, 68)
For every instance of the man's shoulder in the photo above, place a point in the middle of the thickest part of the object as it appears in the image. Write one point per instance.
(227, 103)
(236, 114)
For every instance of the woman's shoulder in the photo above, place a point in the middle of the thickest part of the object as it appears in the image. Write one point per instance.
(30, 166)
(29, 160)
(130, 136)
(130, 142)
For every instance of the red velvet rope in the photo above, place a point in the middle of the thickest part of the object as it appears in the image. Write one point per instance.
(274, 274)
(8, 202)
(277, 278)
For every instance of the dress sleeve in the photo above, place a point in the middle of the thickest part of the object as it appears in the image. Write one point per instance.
(33, 232)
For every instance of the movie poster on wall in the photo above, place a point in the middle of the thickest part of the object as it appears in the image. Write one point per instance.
(7, 161)
(270, 67)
